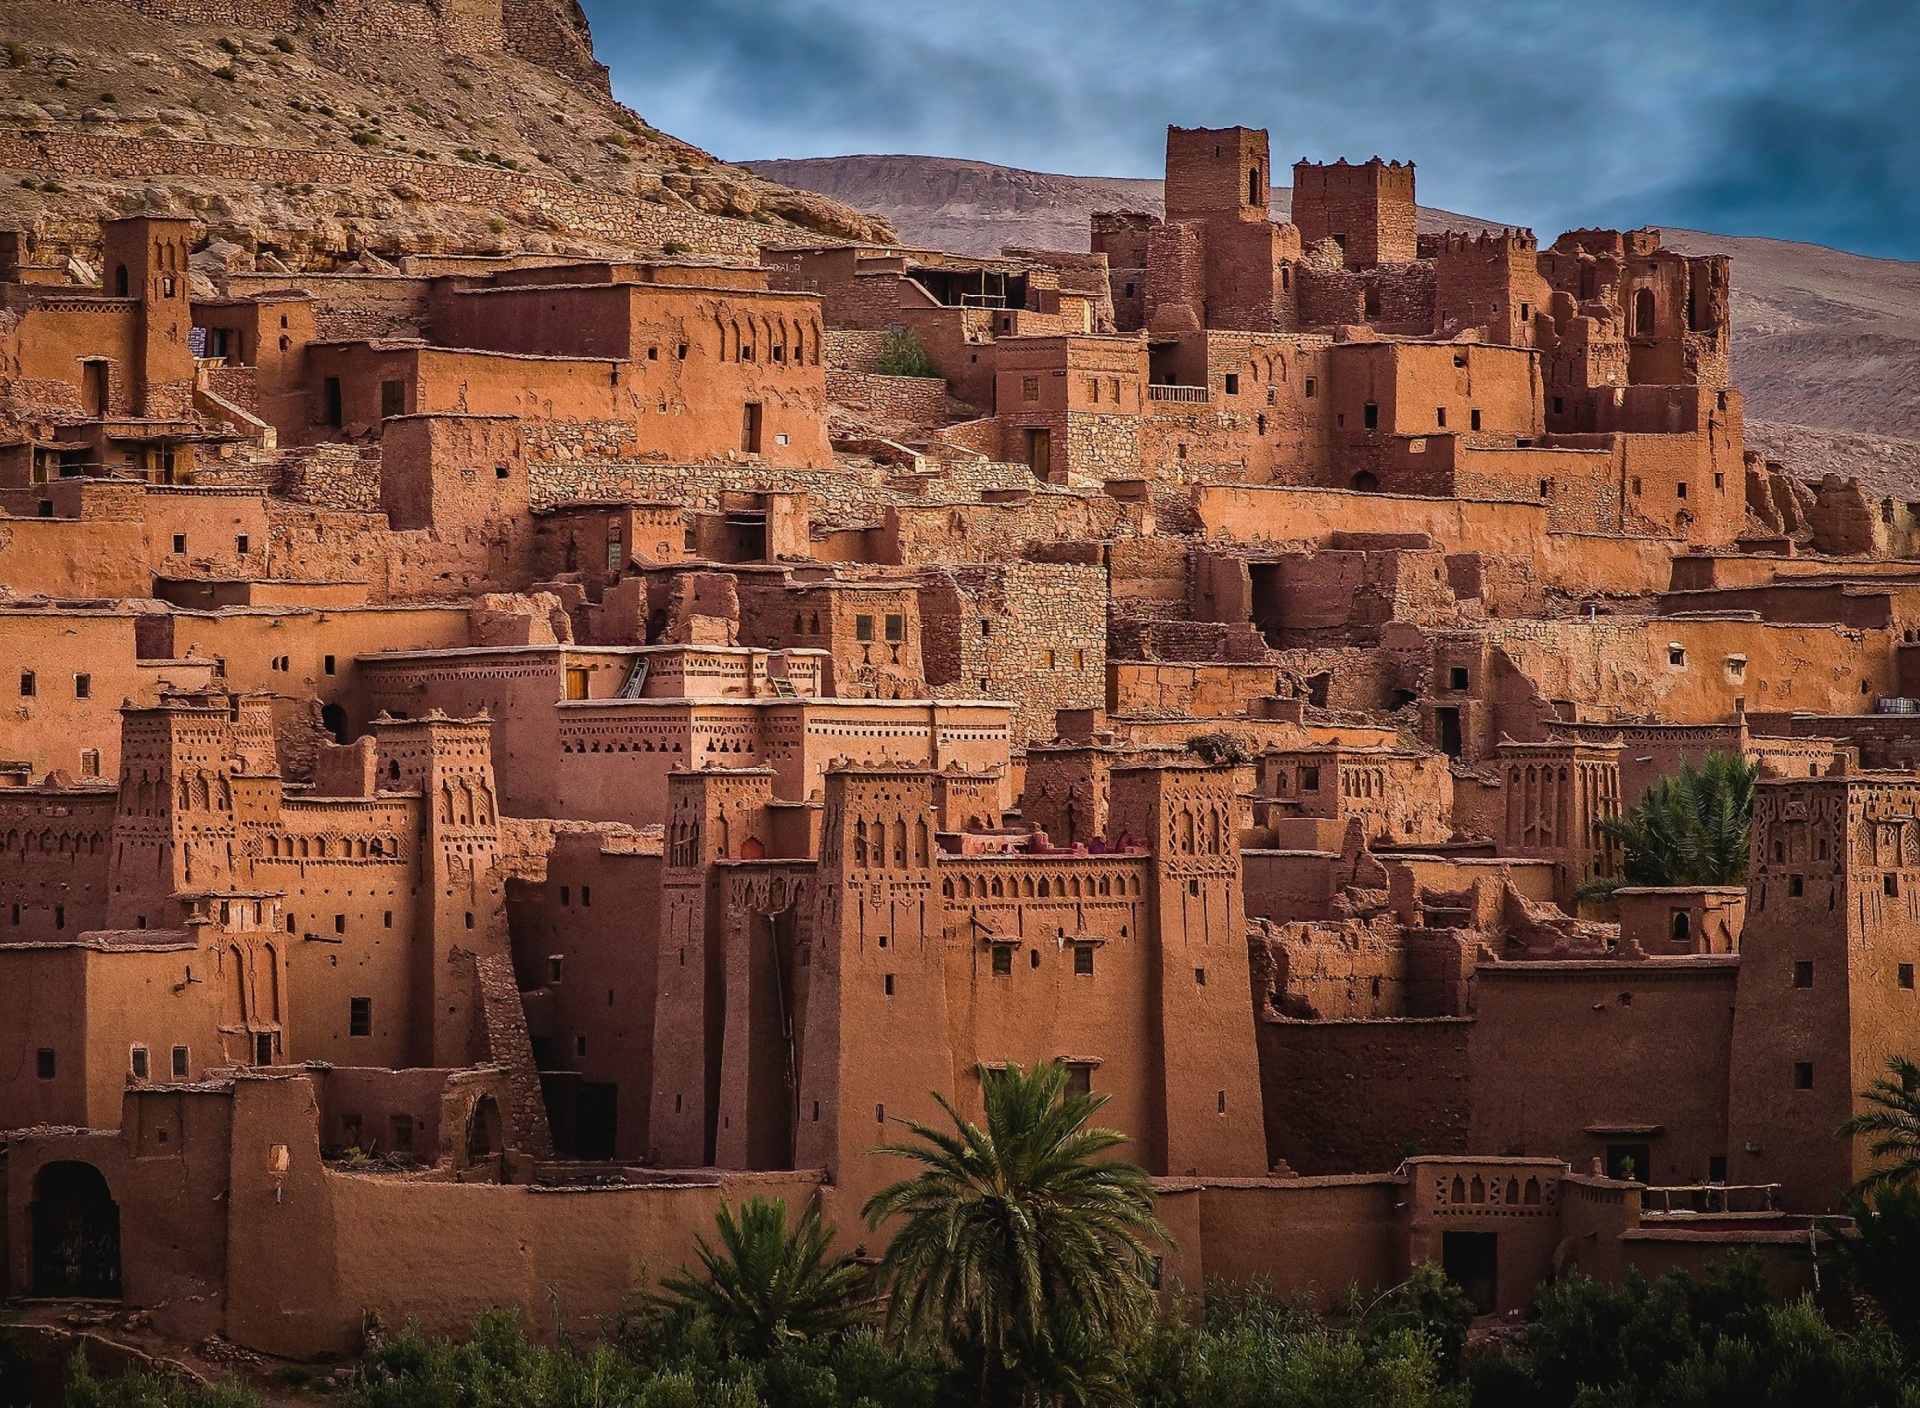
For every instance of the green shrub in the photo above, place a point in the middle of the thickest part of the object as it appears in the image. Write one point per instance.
(283, 43)
(903, 355)
(17, 55)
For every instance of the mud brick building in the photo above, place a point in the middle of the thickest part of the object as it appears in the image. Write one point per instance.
(580, 731)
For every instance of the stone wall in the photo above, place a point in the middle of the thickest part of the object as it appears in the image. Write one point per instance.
(890, 400)
(1351, 1097)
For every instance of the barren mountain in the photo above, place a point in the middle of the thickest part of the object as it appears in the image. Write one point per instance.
(323, 130)
(1826, 344)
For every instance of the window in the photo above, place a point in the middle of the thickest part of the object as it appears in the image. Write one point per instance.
(339, 923)
(83, 686)
(1083, 960)
(1803, 1075)
(1313, 387)
(1473, 419)
(179, 543)
(1803, 972)
(28, 685)
(243, 545)
(1440, 416)
(263, 1049)
(1233, 383)
(400, 1133)
(555, 962)
(335, 412)
(1676, 655)
(1030, 388)
(1079, 1078)
(1559, 406)
(1457, 677)
(1310, 779)
(43, 1063)
(393, 399)
(863, 628)
(750, 426)
(1890, 885)
(1200, 977)
(328, 665)
(1370, 415)
(586, 896)
(1002, 961)
(1680, 489)
(180, 1055)
(1796, 886)
(359, 1016)
(140, 1066)
(1047, 659)
(889, 985)
(896, 627)
(1906, 976)
(501, 471)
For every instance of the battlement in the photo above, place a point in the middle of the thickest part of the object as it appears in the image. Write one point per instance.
(1486, 243)
(1367, 209)
(1620, 244)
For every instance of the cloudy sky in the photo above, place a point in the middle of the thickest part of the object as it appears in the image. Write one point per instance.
(1791, 118)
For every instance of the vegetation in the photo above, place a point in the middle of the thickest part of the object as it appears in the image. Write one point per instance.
(903, 354)
(1679, 1343)
(283, 42)
(1893, 1124)
(18, 55)
(1021, 1244)
(1692, 828)
(767, 1285)
(149, 1391)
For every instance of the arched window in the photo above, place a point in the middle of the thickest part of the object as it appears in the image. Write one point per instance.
(1643, 313)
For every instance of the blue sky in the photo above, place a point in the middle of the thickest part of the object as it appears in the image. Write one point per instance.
(1798, 119)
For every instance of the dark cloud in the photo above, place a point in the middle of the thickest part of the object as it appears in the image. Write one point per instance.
(1777, 117)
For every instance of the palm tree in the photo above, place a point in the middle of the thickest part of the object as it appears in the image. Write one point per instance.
(1020, 1242)
(766, 1284)
(1893, 1124)
(1693, 827)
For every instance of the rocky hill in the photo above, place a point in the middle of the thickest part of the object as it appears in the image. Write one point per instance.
(320, 133)
(1826, 345)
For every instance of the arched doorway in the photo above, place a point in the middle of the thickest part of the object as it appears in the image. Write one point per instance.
(76, 1232)
(1366, 482)
(334, 719)
(483, 1130)
(1643, 313)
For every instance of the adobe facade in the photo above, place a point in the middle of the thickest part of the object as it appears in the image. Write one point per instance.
(500, 756)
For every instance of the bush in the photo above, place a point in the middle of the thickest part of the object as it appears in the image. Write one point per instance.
(1220, 749)
(283, 43)
(17, 55)
(903, 355)
(149, 1391)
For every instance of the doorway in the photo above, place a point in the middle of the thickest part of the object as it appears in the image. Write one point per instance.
(1471, 1261)
(750, 428)
(1040, 452)
(76, 1233)
(596, 1119)
(1446, 723)
(96, 388)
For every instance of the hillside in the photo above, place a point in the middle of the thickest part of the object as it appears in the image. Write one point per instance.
(322, 131)
(1826, 344)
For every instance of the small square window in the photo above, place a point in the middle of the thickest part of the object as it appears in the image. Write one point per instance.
(1890, 885)
(1002, 961)
(140, 1063)
(360, 1016)
(1803, 1075)
(863, 628)
(1457, 677)
(1905, 978)
(29, 686)
(180, 1059)
(1200, 977)
(1676, 655)
(1796, 885)
(1803, 973)
(1313, 387)
(896, 627)
(1233, 383)
(1310, 779)
(179, 543)
(83, 686)
(1030, 388)
(339, 923)
(243, 545)
(554, 963)
(1083, 960)
(43, 1063)
(1079, 1079)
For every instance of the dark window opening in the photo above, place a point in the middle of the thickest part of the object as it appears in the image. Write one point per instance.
(1083, 960)
(43, 1064)
(335, 413)
(1803, 1075)
(1002, 961)
(1803, 973)
(1457, 677)
(360, 1016)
